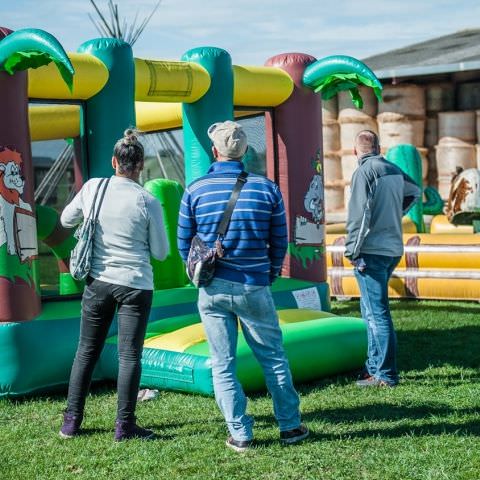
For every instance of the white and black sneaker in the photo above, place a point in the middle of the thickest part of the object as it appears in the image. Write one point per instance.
(238, 445)
(289, 437)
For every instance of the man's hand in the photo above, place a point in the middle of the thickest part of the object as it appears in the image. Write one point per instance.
(359, 264)
(351, 261)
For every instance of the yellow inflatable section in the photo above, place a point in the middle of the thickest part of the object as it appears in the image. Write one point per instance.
(441, 226)
(164, 81)
(152, 117)
(407, 226)
(179, 340)
(433, 266)
(260, 86)
(424, 288)
(90, 77)
(429, 251)
(183, 338)
(52, 122)
(160, 89)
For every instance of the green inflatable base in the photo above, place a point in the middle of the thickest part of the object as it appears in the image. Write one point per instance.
(315, 349)
(37, 356)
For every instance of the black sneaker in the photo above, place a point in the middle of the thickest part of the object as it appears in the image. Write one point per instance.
(238, 445)
(363, 375)
(374, 382)
(127, 430)
(289, 437)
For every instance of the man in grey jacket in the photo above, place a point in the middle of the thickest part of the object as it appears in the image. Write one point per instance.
(380, 195)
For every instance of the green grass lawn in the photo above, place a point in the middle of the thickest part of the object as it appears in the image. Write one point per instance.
(426, 428)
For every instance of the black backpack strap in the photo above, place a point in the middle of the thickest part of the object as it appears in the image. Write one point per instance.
(227, 215)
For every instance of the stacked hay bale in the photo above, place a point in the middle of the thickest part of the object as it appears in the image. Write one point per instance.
(424, 116)
(457, 135)
(402, 118)
(352, 121)
(331, 159)
(468, 98)
(478, 138)
(456, 146)
(439, 97)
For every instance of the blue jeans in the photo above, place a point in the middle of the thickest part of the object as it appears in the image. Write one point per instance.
(382, 340)
(220, 304)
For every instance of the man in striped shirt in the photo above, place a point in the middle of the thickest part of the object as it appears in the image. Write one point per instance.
(254, 248)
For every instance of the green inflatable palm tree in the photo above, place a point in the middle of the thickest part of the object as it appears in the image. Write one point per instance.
(336, 73)
(33, 48)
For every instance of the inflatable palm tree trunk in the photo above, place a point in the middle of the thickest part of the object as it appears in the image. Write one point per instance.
(28, 48)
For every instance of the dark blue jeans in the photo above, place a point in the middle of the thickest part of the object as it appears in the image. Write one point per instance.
(382, 340)
(99, 302)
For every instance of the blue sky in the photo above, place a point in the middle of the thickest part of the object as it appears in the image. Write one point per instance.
(254, 30)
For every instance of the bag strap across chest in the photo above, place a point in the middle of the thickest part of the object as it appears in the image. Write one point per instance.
(227, 214)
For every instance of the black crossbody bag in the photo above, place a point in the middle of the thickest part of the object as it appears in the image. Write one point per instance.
(201, 258)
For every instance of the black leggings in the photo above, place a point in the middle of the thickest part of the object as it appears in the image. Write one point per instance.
(100, 299)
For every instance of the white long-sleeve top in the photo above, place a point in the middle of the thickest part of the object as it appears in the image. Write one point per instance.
(129, 230)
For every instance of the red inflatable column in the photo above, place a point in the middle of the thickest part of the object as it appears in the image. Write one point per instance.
(19, 298)
(295, 161)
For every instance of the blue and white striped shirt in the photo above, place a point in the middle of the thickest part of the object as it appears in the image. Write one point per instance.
(256, 240)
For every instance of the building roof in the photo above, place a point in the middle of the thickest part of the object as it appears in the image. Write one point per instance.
(456, 52)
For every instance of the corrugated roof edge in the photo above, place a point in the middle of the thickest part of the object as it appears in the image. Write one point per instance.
(427, 70)
(428, 49)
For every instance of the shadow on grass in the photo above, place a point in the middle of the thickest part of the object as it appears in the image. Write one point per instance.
(465, 429)
(379, 412)
(385, 412)
(421, 349)
(401, 307)
(440, 344)
(92, 431)
(86, 432)
(430, 415)
(58, 393)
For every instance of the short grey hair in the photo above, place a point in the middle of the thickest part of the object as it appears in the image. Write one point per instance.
(367, 141)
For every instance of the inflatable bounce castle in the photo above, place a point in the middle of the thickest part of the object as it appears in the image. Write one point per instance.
(90, 97)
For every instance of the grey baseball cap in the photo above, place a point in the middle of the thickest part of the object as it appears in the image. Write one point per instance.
(228, 138)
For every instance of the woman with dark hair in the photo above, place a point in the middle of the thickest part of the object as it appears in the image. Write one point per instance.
(129, 231)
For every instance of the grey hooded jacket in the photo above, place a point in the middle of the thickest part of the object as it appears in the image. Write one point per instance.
(380, 195)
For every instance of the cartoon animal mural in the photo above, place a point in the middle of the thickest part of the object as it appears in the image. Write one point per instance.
(309, 231)
(17, 222)
(314, 199)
